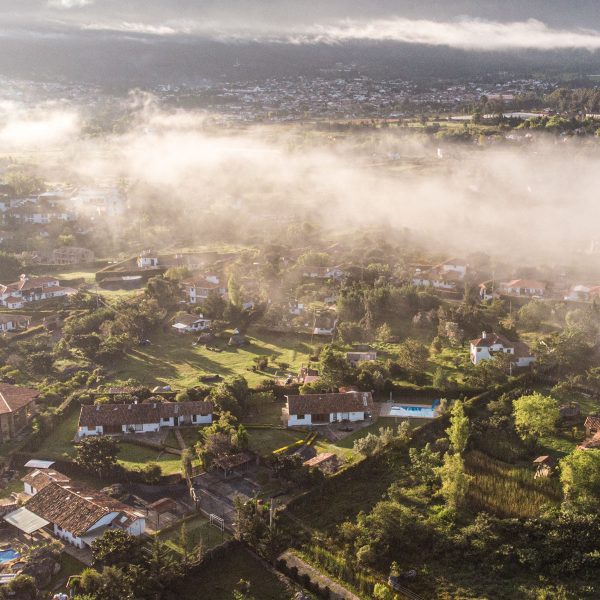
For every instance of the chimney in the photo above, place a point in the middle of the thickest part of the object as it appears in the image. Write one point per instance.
(483, 335)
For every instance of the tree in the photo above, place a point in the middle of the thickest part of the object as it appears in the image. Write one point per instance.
(535, 415)
(97, 454)
(455, 481)
(109, 584)
(116, 547)
(383, 333)
(413, 357)
(382, 592)
(164, 290)
(424, 464)
(22, 587)
(10, 267)
(458, 432)
(580, 478)
(162, 570)
(24, 184)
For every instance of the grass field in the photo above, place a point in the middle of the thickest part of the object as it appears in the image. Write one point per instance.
(219, 579)
(133, 456)
(508, 490)
(198, 529)
(173, 360)
(60, 441)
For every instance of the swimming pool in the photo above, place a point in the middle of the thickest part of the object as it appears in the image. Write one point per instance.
(414, 410)
(6, 555)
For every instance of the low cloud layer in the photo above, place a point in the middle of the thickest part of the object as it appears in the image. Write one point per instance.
(465, 33)
(529, 204)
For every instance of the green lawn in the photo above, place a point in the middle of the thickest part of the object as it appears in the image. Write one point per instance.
(60, 440)
(264, 441)
(198, 529)
(173, 360)
(219, 579)
(16, 485)
(133, 456)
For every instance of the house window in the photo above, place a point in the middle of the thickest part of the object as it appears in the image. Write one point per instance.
(300, 417)
(138, 427)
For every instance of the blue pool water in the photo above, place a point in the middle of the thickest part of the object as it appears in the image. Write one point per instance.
(410, 410)
(6, 555)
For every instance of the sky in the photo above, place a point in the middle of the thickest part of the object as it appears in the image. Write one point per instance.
(485, 25)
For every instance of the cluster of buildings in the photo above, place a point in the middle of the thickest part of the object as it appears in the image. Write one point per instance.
(27, 289)
(343, 92)
(65, 205)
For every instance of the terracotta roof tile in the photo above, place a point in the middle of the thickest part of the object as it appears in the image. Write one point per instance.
(311, 404)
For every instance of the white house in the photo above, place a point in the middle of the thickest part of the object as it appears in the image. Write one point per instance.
(583, 293)
(14, 322)
(354, 358)
(324, 325)
(523, 287)
(75, 514)
(147, 260)
(198, 289)
(29, 289)
(296, 308)
(147, 417)
(322, 409)
(191, 323)
(107, 201)
(489, 344)
(445, 276)
(37, 479)
(322, 272)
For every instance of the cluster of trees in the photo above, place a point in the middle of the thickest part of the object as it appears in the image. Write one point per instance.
(128, 567)
(223, 437)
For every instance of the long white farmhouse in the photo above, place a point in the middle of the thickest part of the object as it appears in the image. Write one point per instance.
(322, 409)
(113, 419)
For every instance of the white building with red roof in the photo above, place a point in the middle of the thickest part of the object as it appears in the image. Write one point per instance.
(30, 289)
(491, 344)
(523, 287)
(197, 289)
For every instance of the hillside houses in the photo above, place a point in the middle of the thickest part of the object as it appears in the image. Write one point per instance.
(30, 289)
(146, 417)
(322, 409)
(446, 276)
(489, 344)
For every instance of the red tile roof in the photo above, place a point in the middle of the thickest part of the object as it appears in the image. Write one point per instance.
(74, 509)
(132, 414)
(316, 404)
(13, 397)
